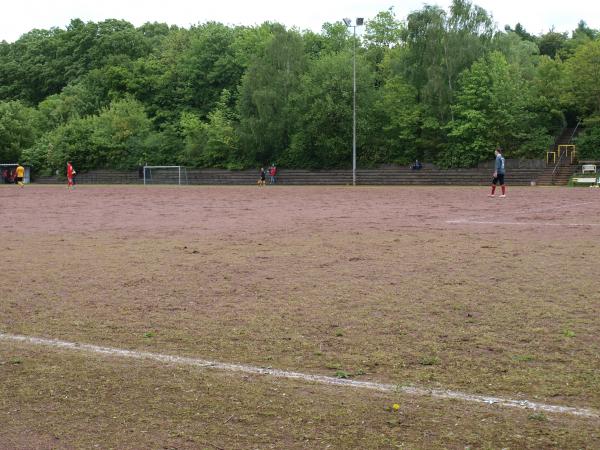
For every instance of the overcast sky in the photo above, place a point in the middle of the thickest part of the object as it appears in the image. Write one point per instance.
(20, 16)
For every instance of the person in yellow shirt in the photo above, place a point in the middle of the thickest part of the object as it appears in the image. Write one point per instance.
(19, 174)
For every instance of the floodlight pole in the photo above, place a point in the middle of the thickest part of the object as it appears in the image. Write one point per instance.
(348, 22)
(354, 110)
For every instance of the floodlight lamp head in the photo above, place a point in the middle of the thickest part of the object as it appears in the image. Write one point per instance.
(347, 21)
(360, 21)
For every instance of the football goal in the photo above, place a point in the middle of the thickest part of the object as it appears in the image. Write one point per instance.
(165, 175)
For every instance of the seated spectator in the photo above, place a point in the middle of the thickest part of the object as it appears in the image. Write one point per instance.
(417, 165)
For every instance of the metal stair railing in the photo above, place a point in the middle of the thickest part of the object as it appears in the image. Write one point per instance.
(565, 154)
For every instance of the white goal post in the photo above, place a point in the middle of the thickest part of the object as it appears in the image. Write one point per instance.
(165, 175)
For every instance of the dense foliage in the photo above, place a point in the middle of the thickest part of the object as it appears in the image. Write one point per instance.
(441, 86)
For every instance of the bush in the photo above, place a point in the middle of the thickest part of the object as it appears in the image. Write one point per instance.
(588, 142)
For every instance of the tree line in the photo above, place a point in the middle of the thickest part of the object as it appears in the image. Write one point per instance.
(443, 86)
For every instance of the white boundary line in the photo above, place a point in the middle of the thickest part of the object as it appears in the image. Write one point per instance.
(553, 208)
(531, 210)
(331, 381)
(546, 224)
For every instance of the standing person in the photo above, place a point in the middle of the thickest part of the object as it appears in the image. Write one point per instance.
(19, 174)
(498, 173)
(263, 177)
(70, 174)
(274, 176)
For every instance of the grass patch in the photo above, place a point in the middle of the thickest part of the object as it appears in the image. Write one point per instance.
(523, 358)
(538, 416)
(429, 360)
(568, 333)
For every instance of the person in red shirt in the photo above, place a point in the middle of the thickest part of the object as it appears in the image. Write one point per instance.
(273, 174)
(70, 174)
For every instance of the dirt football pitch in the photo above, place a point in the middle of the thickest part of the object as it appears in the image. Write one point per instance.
(422, 288)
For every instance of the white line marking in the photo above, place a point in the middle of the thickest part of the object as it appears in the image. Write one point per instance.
(321, 379)
(536, 210)
(552, 208)
(545, 224)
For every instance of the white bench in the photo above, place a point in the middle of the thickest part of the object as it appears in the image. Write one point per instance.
(585, 180)
(588, 168)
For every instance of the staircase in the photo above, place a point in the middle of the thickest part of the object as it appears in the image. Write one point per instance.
(559, 173)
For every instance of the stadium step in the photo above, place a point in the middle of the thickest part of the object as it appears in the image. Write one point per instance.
(386, 176)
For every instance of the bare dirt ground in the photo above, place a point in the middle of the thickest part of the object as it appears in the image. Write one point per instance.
(434, 287)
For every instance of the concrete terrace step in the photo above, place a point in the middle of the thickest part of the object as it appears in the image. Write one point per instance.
(386, 176)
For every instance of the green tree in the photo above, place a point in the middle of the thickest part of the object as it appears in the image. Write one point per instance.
(552, 42)
(522, 54)
(209, 65)
(401, 118)
(119, 133)
(491, 110)
(521, 32)
(17, 129)
(440, 46)
(116, 139)
(548, 87)
(583, 78)
(71, 141)
(323, 136)
(267, 121)
(582, 35)
(588, 142)
(384, 30)
(213, 143)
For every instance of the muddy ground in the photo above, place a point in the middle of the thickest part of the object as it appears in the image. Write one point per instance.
(435, 287)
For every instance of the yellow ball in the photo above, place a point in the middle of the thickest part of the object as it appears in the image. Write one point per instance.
(396, 406)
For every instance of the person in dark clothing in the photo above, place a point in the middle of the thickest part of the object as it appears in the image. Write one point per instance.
(499, 171)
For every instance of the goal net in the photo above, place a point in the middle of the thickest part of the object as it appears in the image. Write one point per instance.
(165, 175)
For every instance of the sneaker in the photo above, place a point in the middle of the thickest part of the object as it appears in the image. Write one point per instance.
(491, 195)
(503, 196)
